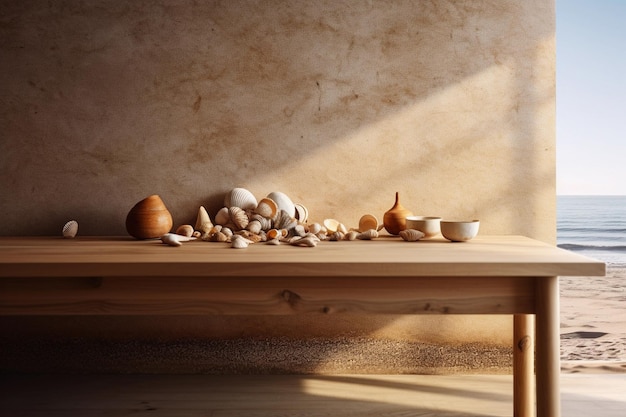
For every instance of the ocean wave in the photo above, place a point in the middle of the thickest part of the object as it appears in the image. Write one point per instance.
(575, 246)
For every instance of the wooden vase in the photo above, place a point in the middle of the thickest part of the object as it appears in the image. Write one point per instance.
(149, 219)
(394, 219)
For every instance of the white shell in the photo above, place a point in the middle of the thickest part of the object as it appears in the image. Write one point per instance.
(239, 242)
(173, 239)
(351, 235)
(302, 213)
(223, 216)
(240, 197)
(254, 226)
(70, 229)
(307, 241)
(333, 225)
(283, 202)
(411, 235)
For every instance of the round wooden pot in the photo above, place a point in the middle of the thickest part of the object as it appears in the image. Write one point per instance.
(149, 219)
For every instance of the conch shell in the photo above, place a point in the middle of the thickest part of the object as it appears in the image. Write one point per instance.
(411, 235)
(70, 229)
(203, 221)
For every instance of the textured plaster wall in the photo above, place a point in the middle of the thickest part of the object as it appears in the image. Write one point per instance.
(337, 103)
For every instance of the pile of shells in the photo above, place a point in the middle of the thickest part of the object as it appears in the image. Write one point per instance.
(274, 219)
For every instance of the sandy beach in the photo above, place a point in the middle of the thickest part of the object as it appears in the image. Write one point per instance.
(593, 322)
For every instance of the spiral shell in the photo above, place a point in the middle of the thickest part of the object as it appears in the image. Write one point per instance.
(240, 197)
(284, 221)
(70, 229)
(411, 235)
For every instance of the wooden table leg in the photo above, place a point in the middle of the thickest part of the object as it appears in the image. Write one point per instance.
(548, 348)
(523, 366)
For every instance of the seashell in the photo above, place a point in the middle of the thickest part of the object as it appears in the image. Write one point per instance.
(299, 230)
(284, 221)
(368, 235)
(203, 221)
(174, 239)
(227, 231)
(240, 197)
(266, 224)
(283, 202)
(254, 226)
(367, 222)
(267, 208)
(70, 229)
(149, 219)
(196, 234)
(336, 236)
(302, 213)
(315, 228)
(277, 233)
(331, 225)
(223, 216)
(274, 241)
(185, 230)
(411, 235)
(307, 241)
(238, 217)
(351, 235)
(239, 242)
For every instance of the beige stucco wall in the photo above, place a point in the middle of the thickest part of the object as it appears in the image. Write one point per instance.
(337, 103)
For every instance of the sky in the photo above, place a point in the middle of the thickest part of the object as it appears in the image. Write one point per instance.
(591, 96)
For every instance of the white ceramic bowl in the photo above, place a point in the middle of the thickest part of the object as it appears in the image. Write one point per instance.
(459, 231)
(427, 225)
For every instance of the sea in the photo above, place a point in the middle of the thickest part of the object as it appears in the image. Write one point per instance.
(594, 226)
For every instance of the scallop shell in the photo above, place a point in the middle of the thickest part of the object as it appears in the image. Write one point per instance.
(267, 208)
(283, 202)
(223, 216)
(367, 222)
(70, 229)
(411, 235)
(203, 221)
(284, 221)
(368, 235)
(238, 217)
(240, 197)
(302, 213)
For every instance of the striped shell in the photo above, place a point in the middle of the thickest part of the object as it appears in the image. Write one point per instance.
(238, 217)
(240, 197)
(411, 235)
(368, 235)
(70, 229)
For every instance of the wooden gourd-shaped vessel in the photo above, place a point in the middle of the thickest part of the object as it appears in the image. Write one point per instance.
(394, 220)
(149, 219)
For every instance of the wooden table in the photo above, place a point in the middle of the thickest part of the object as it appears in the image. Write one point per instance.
(488, 275)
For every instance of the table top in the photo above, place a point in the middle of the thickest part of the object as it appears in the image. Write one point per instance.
(385, 256)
